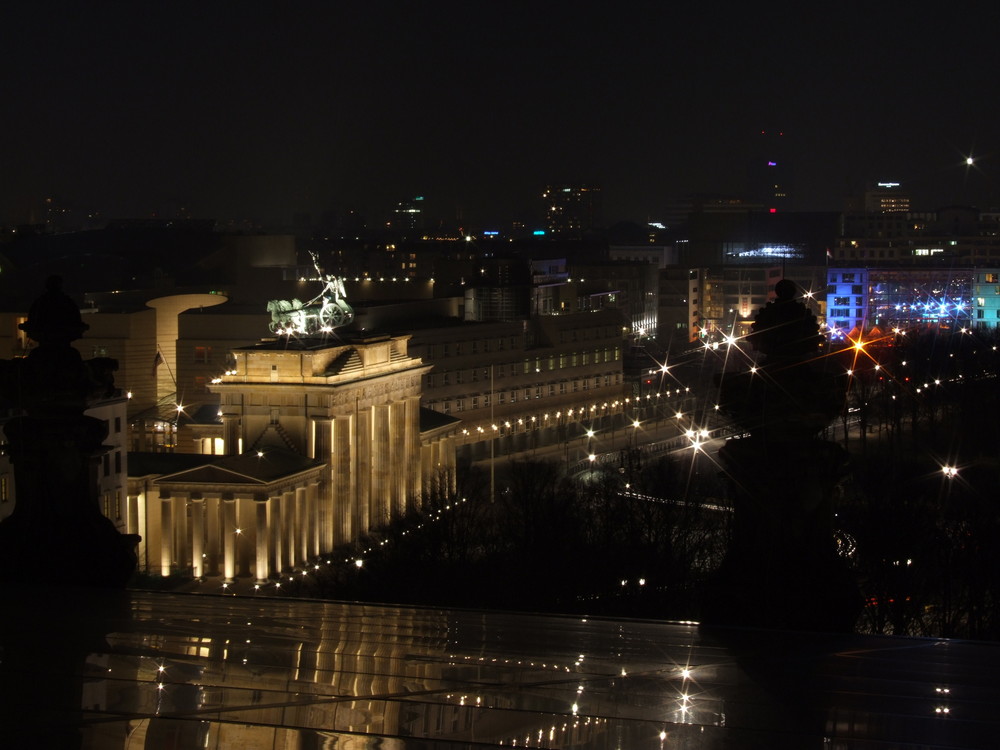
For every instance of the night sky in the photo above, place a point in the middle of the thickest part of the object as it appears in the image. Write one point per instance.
(259, 110)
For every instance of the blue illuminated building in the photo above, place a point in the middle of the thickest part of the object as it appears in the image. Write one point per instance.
(907, 298)
(986, 297)
(846, 299)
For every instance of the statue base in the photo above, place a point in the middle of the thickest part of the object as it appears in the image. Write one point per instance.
(782, 569)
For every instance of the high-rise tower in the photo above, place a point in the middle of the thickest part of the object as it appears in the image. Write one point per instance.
(770, 170)
(572, 210)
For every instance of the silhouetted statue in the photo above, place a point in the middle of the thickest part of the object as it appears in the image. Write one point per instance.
(781, 568)
(57, 533)
(786, 328)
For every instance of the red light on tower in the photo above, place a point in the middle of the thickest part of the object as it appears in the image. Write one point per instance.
(773, 210)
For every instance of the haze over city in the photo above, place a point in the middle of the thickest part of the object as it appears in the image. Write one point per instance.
(261, 111)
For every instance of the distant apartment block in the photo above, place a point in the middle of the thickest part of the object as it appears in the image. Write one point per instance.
(571, 210)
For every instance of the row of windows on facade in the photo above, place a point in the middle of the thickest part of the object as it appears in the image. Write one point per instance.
(477, 346)
(845, 312)
(484, 401)
(847, 277)
(107, 463)
(985, 277)
(920, 252)
(112, 503)
(539, 364)
(203, 354)
(846, 301)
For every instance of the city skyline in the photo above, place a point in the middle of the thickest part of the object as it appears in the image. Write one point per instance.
(264, 112)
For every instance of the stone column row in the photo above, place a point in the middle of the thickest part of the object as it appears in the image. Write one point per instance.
(236, 536)
(375, 472)
(438, 466)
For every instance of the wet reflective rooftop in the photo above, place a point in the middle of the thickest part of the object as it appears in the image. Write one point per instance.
(152, 670)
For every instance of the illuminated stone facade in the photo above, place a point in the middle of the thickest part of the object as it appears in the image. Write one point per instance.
(322, 443)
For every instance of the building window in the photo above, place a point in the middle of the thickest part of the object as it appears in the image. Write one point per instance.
(118, 424)
(202, 355)
(4, 488)
(118, 462)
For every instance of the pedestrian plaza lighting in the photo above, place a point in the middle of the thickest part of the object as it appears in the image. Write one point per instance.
(950, 471)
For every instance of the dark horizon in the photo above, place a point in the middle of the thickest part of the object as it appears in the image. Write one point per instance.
(261, 112)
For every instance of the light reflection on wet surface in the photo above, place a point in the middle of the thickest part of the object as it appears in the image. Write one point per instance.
(165, 670)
